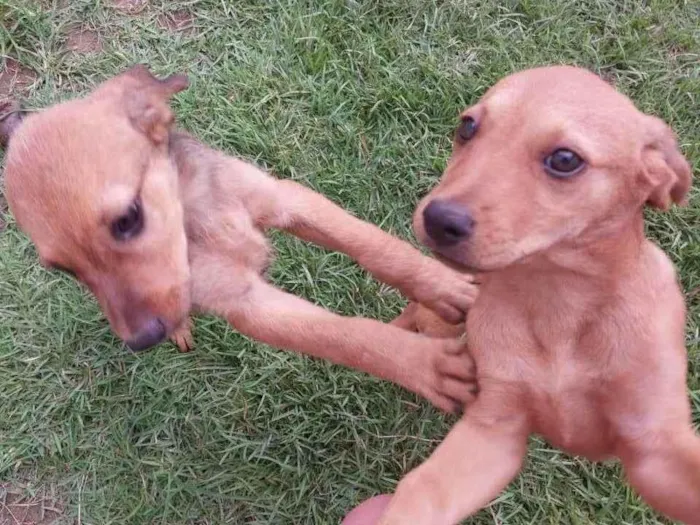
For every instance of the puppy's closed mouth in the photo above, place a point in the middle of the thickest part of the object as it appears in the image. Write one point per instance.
(452, 263)
(152, 333)
(459, 266)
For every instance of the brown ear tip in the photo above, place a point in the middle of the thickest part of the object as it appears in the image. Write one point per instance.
(178, 82)
(11, 116)
(174, 83)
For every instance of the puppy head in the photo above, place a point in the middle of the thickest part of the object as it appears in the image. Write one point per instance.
(91, 182)
(548, 156)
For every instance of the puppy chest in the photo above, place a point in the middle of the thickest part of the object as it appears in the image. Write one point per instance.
(560, 392)
(569, 416)
(230, 235)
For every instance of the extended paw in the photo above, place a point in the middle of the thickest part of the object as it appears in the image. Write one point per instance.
(447, 292)
(182, 337)
(454, 382)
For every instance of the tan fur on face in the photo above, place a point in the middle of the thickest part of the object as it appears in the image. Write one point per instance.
(68, 187)
(76, 167)
(521, 120)
(578, 329)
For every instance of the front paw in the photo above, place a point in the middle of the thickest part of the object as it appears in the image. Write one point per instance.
(451, 376)
(182, 336)
(445, 291)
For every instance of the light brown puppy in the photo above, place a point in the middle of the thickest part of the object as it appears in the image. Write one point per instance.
(578, 329)
(156, 224)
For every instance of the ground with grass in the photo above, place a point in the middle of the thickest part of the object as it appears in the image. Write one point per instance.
(358, 100)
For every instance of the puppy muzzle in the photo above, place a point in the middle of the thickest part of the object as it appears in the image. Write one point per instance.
(151, 333)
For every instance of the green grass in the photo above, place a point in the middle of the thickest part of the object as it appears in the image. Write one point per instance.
(358, 100)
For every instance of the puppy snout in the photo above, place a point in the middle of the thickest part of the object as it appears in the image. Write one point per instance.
(151, 333)
(447, 223)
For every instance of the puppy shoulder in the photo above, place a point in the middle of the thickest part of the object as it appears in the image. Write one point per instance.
(649, 299)
(663, 300)
(658, 267)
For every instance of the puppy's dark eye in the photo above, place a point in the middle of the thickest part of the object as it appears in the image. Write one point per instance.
(563, 163)
(130, 224)
(467, 129)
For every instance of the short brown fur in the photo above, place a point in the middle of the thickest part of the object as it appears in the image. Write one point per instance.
(73, 169)
(578, 329)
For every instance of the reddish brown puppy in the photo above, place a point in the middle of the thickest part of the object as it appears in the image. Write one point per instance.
(578, 329)
(156, 224)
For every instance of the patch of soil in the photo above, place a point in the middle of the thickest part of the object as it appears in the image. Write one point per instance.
(17, 507)
(609, 76)
(133, 7)
(677, 49)
(180, 21)
(464, 62)
(83, 41)
(15, 78)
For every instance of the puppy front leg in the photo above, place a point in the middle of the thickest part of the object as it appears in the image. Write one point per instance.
(436, 369)
(312, 217)
(665, 470)
(467, 470)
(182, 336)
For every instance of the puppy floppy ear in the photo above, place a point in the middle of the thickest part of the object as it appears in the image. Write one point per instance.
(666, 174)
(146, 100)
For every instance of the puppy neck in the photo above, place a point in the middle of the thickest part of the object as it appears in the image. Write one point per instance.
(592, 260)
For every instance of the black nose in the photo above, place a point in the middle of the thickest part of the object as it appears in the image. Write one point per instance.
(151, 333)
(447, 223)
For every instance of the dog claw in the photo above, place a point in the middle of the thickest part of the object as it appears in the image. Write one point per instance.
(183, 338)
